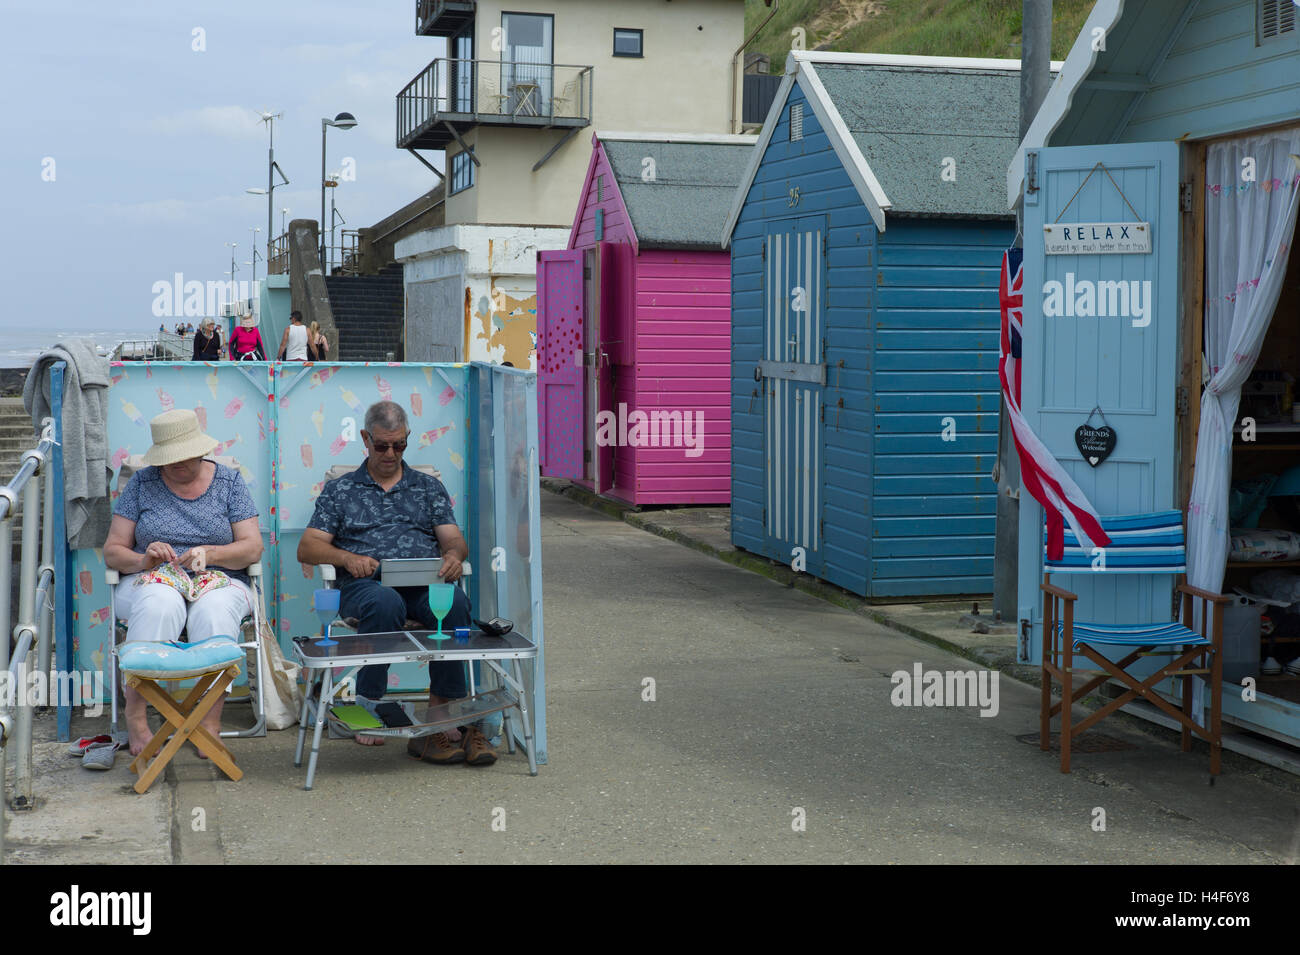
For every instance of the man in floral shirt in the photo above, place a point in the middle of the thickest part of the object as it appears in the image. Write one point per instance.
(384, 509)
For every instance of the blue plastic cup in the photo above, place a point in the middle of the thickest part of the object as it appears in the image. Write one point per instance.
(462, 634)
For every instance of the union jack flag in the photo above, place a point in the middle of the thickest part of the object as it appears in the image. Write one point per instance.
(1040, 473)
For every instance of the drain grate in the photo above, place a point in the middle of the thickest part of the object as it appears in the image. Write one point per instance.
(1087, 743)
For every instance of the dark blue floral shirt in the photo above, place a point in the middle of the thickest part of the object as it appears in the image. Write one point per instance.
(367, 520)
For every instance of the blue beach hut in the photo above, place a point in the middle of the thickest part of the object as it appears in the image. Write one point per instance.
(1181, 117)
(866, 244)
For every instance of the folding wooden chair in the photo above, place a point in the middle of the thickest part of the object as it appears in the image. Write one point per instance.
(181, 723)
(250, 628)
(1151, 544)
(251, 631)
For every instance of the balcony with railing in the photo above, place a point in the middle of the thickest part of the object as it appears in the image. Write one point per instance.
(442, 17)
(462, 94)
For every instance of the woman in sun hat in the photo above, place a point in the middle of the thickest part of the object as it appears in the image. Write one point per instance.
(246, 341)
(176, 521)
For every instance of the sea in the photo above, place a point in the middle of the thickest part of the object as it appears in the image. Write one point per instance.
(20, 347)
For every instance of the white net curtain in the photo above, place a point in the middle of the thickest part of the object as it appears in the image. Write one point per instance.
(1249, 231)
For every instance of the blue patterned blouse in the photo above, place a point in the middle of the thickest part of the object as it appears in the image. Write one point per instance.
(160, 515)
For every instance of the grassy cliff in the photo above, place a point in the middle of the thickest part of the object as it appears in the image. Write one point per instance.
(922, 27)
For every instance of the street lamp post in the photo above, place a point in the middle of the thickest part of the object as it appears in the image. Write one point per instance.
(342, 121)
(254, 230)
(233, 269)
(271, 170)
(336, 218)
(332, 184)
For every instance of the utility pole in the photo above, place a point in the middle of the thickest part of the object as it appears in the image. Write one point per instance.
(1035, 77)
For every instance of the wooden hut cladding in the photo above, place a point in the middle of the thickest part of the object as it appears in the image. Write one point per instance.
(1190, 137)
(634, 328)
(867, 239)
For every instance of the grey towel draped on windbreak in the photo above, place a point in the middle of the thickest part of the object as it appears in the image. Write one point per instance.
(85, 434)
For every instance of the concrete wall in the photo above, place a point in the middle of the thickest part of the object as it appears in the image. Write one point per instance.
(434, 324)
(378, 240)
(306, 283)
(682, 83)
(494, 268)
(276, 303)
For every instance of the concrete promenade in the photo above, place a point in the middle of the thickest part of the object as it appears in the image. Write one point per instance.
(771, 707)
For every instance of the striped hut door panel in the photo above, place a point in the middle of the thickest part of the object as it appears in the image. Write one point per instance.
(794, 376)
(1101, 331)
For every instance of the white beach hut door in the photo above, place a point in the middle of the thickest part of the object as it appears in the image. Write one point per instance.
(794, 374)
(1101, 332)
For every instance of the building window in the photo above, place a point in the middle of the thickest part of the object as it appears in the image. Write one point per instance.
(796, 122)
(627, 42)
(527, 73)
(1273, 18)
(461, 76)
(600, 188)
(462, 173)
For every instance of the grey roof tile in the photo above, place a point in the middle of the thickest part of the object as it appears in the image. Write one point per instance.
(686, 204)
(907, 121)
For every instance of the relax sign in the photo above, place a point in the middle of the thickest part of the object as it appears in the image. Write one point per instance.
(1096, 238)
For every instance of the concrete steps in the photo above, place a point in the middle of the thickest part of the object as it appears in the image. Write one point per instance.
(16, 437)
(369, 313)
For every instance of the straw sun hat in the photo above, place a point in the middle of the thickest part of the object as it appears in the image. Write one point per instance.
(177, 437)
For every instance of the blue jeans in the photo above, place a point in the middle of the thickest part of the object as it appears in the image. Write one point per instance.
(381, 609)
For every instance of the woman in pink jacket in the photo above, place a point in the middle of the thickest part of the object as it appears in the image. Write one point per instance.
(246, 342)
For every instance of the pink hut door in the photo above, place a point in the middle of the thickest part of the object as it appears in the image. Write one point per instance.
(559, 362)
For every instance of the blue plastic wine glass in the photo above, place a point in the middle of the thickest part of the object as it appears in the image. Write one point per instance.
(327, 608)
(441, 597)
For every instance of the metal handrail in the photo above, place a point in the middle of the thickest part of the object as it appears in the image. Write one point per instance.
(35, 624)
(278, 263)
(166, 346)
(349, 250)
(492, 89)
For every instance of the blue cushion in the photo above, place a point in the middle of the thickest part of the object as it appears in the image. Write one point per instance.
(175, 661)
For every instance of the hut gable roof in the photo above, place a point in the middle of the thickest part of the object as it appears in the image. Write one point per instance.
(685, 203)
(893, 120)
(908, 123)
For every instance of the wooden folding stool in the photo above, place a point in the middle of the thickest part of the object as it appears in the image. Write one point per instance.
(182, 723)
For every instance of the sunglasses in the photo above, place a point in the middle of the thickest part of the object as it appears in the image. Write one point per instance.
(381, 447)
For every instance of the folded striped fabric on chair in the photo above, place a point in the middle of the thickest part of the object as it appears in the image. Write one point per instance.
(1139, 544)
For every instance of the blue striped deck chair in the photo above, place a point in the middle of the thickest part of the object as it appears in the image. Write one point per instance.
(1149, 544)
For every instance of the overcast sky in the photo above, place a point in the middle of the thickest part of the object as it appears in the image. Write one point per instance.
(153, 142)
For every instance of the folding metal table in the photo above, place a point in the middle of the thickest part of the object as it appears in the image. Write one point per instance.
(354, 651)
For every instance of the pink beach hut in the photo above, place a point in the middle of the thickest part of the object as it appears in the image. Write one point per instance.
(634, 323)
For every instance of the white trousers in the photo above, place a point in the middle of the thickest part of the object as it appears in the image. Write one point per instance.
(157, 612)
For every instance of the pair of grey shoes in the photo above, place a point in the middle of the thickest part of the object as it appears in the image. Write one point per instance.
(98, 752)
